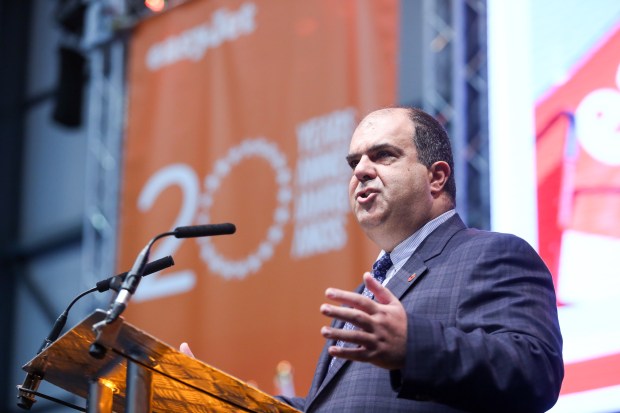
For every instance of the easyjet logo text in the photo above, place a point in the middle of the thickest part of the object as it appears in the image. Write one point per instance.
(193, 43)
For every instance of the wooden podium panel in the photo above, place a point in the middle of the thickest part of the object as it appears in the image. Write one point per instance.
(179, 382)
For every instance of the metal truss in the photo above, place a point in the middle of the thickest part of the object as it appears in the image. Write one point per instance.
(105, 53)
(454, 88)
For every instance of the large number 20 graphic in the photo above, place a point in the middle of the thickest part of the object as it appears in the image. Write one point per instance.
(176, 282)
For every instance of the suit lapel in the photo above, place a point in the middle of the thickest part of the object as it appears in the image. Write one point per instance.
(415, 267)
(407, 276)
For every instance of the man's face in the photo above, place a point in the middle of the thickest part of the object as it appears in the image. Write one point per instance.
(389, 190)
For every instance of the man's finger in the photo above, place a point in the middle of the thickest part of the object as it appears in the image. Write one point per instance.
(356, 317)
(349, 353)
(382, 294)
(350, 299)
(355, 336)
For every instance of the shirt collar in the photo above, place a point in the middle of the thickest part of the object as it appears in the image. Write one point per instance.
(401, 253)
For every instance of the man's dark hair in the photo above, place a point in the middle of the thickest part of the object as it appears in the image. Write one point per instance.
(432, 144)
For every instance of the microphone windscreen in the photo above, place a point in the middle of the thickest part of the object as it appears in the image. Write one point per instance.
(194, 231)
(114, 282)
(158, 265)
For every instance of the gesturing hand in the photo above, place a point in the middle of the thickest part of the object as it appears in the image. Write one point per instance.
(381, 332)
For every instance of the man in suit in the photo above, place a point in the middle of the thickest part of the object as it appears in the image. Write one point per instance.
(464, 320)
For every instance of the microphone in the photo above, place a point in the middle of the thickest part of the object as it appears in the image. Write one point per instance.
(130, 284)
(31, 383)
(204, 230)
(114, 282)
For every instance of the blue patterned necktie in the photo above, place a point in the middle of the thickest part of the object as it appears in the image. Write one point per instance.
(379, 272)
(381, 267)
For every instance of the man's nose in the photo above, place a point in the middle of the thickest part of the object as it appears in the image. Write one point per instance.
(365, 169)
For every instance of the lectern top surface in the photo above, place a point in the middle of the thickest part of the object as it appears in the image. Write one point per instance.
(180, 383)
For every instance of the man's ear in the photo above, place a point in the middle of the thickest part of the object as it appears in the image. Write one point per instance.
(439, 172)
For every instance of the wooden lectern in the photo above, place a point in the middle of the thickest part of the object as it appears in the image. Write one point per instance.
(137, 373)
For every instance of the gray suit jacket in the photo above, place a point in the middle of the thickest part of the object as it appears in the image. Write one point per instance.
(483, 334)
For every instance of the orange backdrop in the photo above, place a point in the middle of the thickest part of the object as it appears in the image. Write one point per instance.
(241, 111)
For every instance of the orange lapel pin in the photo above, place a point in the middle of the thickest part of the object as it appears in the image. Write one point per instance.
(411, 277)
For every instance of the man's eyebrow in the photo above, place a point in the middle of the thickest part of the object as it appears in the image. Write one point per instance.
(375, 148)
(351, 157)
